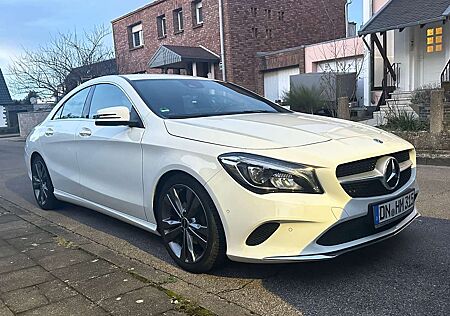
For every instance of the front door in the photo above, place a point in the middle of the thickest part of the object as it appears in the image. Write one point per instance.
(110, 157)
(58, 143)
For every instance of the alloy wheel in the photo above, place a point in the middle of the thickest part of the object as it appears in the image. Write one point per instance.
(184, 224)
(40, 180)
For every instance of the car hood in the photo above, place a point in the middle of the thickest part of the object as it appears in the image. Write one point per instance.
(268, 130)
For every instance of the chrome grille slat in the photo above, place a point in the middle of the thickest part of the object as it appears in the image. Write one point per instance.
(368, 164)
(363, 178)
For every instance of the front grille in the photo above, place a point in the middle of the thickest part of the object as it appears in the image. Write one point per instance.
(366, 165)
(374, 187)
(371, 187)
(355, 229)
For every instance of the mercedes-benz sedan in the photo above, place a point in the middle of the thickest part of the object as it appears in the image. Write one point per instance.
(220, 172)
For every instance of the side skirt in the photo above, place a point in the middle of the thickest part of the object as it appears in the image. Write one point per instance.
(67, 197)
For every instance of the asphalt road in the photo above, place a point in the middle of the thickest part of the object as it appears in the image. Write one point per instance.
(405, 275)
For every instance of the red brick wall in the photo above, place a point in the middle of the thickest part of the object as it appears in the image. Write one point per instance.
(136, 60)
(304, 22)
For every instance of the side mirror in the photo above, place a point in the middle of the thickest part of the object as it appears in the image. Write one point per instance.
(114, 116)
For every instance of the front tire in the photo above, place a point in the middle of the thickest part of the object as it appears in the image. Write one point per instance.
(42, 185)
(190, 225)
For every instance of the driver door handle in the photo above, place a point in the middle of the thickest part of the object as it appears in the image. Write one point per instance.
(85, 132)
(49, 132)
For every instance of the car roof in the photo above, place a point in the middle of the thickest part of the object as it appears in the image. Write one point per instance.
(160, 76)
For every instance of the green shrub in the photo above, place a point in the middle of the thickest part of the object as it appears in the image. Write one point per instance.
(405, 121)
(304, 99)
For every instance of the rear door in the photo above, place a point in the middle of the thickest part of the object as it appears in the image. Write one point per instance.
(110, 157)
(58, 143)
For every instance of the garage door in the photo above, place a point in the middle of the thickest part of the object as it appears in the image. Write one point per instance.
(277, 82)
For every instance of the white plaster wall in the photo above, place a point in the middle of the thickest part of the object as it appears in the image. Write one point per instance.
(419, 68)
(2, 117)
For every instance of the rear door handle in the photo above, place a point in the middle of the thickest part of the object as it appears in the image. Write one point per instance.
(49, 132)
(85, 132)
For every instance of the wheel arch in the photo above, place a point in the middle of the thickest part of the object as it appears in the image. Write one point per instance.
(34, 155)
(171, 173)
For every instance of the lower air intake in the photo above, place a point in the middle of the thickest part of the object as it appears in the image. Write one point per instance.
(261, 234)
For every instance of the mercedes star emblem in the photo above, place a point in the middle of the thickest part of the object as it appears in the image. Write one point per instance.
(391, 174)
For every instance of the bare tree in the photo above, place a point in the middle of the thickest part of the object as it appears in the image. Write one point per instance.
(342, 56)
(45, 69)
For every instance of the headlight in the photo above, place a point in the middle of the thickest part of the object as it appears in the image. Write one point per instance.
(267, 175)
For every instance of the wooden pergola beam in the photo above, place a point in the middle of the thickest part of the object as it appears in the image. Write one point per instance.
(383, 53)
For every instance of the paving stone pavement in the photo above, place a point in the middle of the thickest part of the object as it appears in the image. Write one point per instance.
(43, 271)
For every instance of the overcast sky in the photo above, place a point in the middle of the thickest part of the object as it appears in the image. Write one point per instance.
(29, 23)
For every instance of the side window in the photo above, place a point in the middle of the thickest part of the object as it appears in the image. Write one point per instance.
(58, 113)
(106, 96)
(73, 108)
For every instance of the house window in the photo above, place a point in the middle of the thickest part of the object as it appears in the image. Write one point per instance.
(178, 20)
(197, 11)
(162, 26)
(434, 39)
(137, 39)
(255, 32)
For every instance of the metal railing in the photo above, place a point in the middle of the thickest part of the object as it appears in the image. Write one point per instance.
(445, 75)
(390, 80)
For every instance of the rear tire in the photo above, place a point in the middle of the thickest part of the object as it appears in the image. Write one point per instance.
(190, 225)
(42, 185)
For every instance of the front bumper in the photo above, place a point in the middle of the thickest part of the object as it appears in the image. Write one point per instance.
(303, 219)
(350, 246)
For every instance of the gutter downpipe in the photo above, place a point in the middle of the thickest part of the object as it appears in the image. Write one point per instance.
(222, 41)
(347, 4)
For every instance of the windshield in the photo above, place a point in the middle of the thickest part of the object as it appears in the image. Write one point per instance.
(185, 98)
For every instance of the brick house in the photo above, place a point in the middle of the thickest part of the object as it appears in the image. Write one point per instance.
(184, 36)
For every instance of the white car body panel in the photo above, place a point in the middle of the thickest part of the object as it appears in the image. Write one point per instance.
(61, 155)
(117, 170)
(120, 187)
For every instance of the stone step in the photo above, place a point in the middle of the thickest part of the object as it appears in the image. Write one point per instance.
(399, 100)
(399, 92)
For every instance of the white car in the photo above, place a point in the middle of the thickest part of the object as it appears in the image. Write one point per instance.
(221, 172)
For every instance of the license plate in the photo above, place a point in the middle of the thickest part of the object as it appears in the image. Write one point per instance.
(387, 212)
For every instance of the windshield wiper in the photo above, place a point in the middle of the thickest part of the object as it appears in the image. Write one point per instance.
(217, 114)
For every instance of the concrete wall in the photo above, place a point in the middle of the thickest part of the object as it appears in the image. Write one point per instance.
(333, 86)
(28, 120)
